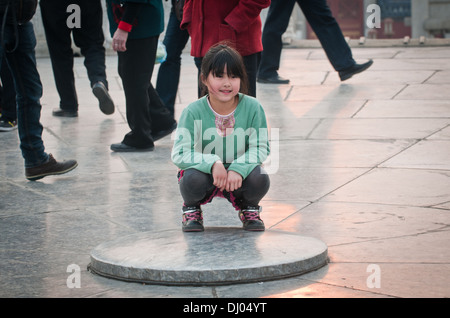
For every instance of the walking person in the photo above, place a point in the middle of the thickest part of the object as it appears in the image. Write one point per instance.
(89, 38)
(135, 27)
(175, 41)
(18, 43)
(320, 17)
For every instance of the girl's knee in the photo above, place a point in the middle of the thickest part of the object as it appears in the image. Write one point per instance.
(194, 186)
(259, 177)
(194, 178)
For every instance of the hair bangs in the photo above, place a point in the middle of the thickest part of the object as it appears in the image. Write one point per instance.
(223, 59)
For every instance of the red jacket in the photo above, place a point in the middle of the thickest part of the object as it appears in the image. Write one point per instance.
(211, 21)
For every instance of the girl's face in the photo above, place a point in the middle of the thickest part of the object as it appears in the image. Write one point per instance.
(222, 88)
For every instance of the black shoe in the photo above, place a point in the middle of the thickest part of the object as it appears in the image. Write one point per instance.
(250, 219)
(106, 103)
(64, 113)
(121, 147)
(192, 219)
(273, 80)
(163, 133)
(51, 167)
(355, 69)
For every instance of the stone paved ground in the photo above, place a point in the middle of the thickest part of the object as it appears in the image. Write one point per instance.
(361, 165)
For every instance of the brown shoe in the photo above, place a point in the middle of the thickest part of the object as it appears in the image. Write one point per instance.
(51, 167)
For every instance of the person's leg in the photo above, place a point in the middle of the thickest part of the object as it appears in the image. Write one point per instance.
(163, 122)
(8, 120)
(196, 187)
(200, 86)
(22, 63)
(251, 66)
(168, 78)
(276, 24)
(89, 38)
(253, 189)
(328, 32)
(27, 83)
(330, 36)
(247, 198)
(135, 68)
(60, 49)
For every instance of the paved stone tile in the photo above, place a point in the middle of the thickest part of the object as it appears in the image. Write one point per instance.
(398, 108)
(378, 128)
(415, 187)
(425, 91)
(344, 91)
(418, 156)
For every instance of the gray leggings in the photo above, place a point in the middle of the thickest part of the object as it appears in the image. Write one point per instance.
(197, 188)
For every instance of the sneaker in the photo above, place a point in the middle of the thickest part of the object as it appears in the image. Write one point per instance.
(192, 219)
(106, 103)
(51, 167)
(250, 219)
(7, 125)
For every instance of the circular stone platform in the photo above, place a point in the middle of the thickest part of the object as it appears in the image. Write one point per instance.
(216, 256)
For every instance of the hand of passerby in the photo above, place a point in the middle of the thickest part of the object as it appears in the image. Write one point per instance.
(119, 40)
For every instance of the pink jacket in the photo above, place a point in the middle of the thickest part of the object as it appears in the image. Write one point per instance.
(211, 21)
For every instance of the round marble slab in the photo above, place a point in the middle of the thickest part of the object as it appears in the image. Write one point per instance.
(216, 256)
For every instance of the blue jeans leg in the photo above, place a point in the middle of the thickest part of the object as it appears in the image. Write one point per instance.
(22, 63)
(168, 78)
(8, 98)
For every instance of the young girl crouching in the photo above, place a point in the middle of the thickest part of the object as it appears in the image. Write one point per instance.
(221, 143)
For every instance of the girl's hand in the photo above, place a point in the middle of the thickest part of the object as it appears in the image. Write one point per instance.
(234, 181)
(219, 174)
(119, 40)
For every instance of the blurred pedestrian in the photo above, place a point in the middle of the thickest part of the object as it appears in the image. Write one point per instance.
(135, 27)
(89, 37)
(18, 43)
(325, 26)
(175, 41)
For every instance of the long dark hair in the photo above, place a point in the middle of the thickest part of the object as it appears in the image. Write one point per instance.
(215, 60)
